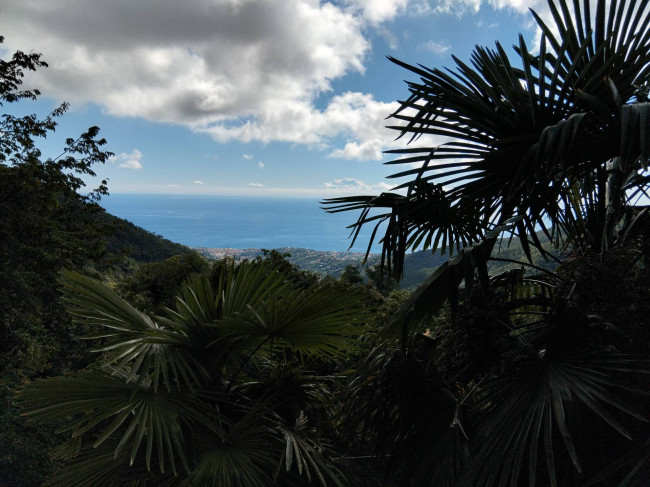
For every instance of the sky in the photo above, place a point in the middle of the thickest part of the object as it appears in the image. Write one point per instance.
(244, 97)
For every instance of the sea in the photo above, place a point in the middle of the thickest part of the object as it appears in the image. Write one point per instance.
(239, 222)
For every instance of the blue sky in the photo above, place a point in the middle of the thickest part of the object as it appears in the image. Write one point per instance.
(244, 97)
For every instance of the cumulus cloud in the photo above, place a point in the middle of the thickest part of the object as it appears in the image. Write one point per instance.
(246, 70)
(260, 165)
(255, 185)
(127, 160)
(198, 182)
(353, 185)
(364, 151)
(438, 48)
(462, 7)
(356, 116)
(248, 157)
(481, 24)
(455, 7)
(238, 69)
(132, 164)
(521, 6)
(378, 11)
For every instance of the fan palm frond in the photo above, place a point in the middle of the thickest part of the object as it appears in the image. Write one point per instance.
(243, 456)
(408, 416)
(173, 394)
(517, 137)
(531, 419)
(318, 322)
(143, 418)
(130, 340)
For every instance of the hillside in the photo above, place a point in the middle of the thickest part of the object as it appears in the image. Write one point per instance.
(417, 265)
(322, 262)
(138, 243)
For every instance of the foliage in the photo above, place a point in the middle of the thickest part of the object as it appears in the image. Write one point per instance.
(24, 460)
(154, 286)
(380, 279)
(280, 261)
(533, 146)
(45, 224)
(351, 275)
(139, 244)
(218, 391)
(535, 378)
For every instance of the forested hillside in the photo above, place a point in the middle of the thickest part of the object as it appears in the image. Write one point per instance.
(139, 244)
(417, 265)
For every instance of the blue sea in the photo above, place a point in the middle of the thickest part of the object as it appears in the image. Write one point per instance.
(238, 222)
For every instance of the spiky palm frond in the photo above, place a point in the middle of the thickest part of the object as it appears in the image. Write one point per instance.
(171, 392)
(131, 341)
(407, 415)
(518, 137)
(100, 466)
(544, 394)
(144, 419)
(320, 323)
(558, 143)
(243, 455)
(303, 453)
(558, 408)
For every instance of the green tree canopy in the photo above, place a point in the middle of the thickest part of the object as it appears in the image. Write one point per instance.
(46, 224)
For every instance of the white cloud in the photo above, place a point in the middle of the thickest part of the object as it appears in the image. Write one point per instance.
(370, 134)
(455, 7)
(127, 161)
(260, 164)
(462, 7)
(353, 185)
(482, 24)
(377, 11)
(237, 68)
(255, 185)
(356, 116)
(438, 48)
(364, 151)
(198, 182)
(132, 164)
(521, 6)
(247, 70)
(248, 157)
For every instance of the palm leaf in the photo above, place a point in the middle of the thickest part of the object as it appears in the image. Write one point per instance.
(244, 455)
(142, 417)
(407, 415)
(539, 411)
(303, 451)
(99, 466)
(317, 322)
(515, 130)
(131, 341)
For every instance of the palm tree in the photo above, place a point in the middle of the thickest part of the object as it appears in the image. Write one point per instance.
(547, 145)
(220, 391)
(528, 382)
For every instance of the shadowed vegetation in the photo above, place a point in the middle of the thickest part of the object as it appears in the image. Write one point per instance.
(536, 378)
